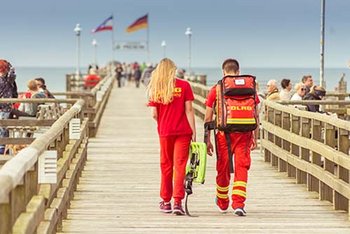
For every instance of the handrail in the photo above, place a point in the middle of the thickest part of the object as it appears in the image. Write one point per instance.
(331, 120)
(37, 100)
(315, 102)
(14, 170)
(41, 207)
(311, 147)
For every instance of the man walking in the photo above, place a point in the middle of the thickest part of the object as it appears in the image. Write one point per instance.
(239, 143)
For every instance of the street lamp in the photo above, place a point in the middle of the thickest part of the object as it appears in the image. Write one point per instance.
(164, 48)
(323, 8)
(94, 44)
(189, 34)
(77, 31)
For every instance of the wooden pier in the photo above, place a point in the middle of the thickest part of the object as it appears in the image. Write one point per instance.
(108, 178)
(119, 188)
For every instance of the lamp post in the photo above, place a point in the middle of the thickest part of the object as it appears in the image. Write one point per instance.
(77, 31)
(322, 81)
(163, 45)
(94, 44)
(189, 34)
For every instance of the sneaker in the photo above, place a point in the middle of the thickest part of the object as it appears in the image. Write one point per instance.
(178, 209)
(239, 212)
(165, 207)
(222, 207)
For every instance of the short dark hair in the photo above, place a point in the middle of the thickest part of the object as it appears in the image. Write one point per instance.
(304, 79)
(285, 83)
(40, 79)
(230, 65)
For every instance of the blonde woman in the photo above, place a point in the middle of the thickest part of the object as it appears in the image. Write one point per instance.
(300, 91)
(171, 101)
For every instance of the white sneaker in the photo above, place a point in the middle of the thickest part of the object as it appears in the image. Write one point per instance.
(240, 212)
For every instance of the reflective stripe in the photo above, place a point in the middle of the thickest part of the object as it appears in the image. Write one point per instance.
(222, 189)
(222, 196)
(240, 183)
(239, 193)
(241, 121)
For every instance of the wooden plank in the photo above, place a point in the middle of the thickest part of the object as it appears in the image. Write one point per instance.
(326, 151)
(16, 141)
(26, 122)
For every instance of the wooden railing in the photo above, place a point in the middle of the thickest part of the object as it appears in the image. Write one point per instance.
(27, 206)
(200, 93)
(95, 99)
(311, 147)
(75, 82)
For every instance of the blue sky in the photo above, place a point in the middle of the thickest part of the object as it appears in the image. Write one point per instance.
(260, 33)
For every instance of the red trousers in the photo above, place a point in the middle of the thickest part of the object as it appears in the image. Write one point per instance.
(240, 148)
(173, 159)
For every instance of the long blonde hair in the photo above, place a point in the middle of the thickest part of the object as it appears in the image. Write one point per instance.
(161, 87)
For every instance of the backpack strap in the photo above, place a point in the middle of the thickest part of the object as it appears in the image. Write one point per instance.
(228, 140)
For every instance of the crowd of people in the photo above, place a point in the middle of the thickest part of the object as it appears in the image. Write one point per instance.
(8, 89)
(133, 72)
(303, 90)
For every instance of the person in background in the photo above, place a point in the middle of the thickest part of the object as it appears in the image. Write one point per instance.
(316, 93)
(92, 79)
(180, 73)
(143, 66)
(32, 108)
(119, 73)
(171, 101)
(137, 76)
(8, 89)
(40, 82)
(286, 93)
(308, 82)
(300, 91)
(146, 75)
(272, 91)
(128, 72)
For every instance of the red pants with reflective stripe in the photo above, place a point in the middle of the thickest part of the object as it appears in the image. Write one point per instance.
(173, 159)
(240, 148)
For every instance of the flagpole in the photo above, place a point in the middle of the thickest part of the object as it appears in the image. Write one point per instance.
(148, 51)
(113, 37)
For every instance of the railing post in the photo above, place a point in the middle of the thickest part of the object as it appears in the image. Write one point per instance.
(270, 137)
(330, 139)
(304, 153)
(278, 141)
(282, 165)
(5, 218)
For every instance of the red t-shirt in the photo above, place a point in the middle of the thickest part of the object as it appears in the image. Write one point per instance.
(211, 98)
(91, 81)
(172, 118)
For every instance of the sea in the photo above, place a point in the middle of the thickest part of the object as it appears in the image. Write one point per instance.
(55, 77)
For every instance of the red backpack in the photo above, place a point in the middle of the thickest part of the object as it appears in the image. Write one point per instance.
(236, 104)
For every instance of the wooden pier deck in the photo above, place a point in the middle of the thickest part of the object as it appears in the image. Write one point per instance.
(119, 188)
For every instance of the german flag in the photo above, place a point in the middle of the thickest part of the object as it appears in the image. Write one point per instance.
(140, 23)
